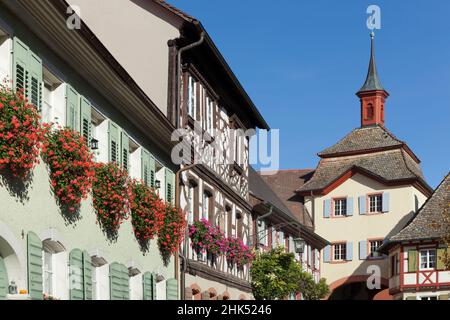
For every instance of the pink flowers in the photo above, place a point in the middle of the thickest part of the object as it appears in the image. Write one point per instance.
(204, 236)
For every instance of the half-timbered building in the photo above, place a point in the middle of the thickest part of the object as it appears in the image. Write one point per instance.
(417, 254)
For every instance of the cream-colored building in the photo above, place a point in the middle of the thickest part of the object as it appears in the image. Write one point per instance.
(363, 190)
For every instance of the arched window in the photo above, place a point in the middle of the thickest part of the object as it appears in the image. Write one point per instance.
(370, 111)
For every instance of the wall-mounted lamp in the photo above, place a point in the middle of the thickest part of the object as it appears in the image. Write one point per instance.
(94, 144)
(299, 245)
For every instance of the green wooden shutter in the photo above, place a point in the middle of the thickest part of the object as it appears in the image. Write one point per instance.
(172, 289)
(412, 261)
(114, 142)
(411, 298)
(119, 282)
(20, 64)
(152, 171)
(115, 283)
(170, 186)
(4, 282)
(443, 297)
(147, 281)
(76, 285)
(125, 151)
(87, 275)
(154, 286)
(148, 168)
(35, 80)
(34, 264)
(85, 119)
(72, 109)
(125, 283)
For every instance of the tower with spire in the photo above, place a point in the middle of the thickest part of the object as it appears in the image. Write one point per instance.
(372, 94)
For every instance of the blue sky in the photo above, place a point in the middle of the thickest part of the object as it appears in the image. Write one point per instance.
(302, 62)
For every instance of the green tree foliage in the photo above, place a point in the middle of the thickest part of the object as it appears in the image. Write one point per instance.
(276, 275)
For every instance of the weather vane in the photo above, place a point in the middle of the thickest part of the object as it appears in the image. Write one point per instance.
(374, 19)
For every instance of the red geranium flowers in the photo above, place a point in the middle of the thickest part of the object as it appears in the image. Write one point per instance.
(20, 133)
(71, 167)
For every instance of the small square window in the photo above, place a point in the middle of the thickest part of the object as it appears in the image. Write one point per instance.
(374, 245)
(340, 207)
(375, 203)
(340, 252)
(428, 259)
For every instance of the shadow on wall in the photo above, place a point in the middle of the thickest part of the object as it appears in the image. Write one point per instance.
(17, 187)
(356, 286)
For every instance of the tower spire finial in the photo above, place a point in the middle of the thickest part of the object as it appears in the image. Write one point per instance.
(372, 80)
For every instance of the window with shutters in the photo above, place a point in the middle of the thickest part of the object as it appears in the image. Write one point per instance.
(428, 259)
(339, 252)
(206, 200)
(340, 207)
(52, 104)
(373, 247)
(375, 203)
(263, 233)
(428, 298)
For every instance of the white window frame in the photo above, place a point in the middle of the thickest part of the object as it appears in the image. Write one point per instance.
(191, 204)
(430, 259)
(205, 206)
(373, 253)
(342, 251)
(209, 115)
(263, 234)
(192, 97)
(340, 207)
(375, 205)
(50, 272)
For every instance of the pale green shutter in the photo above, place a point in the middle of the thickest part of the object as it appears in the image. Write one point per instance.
(87, 275)
(114, 142)
(3, 280)
(20, 64)
(72, 108)
(125, 151)
(119, 282)
(154, 286)
(412, 261)
(35, 80)
(443, 297)
(148, 168)
(152, 171)
(125, 283)
(76, 285)
(115, 281)
(147, 281)
(411, 298)
(172, 289)
(170, 186)
(85, 119)
(34, 264)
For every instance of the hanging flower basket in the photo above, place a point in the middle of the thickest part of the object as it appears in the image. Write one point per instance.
(20, 133)
(147, 211)
(111, 193)
(171, 233)
(71, 167)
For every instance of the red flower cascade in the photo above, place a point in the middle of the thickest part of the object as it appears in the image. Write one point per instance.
(71, 167)
(111, 193)
(20, 133)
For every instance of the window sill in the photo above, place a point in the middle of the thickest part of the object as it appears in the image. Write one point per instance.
(339, 262)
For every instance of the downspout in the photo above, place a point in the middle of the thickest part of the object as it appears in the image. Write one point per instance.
(257, 225)
(180, 52)
(182, 253)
